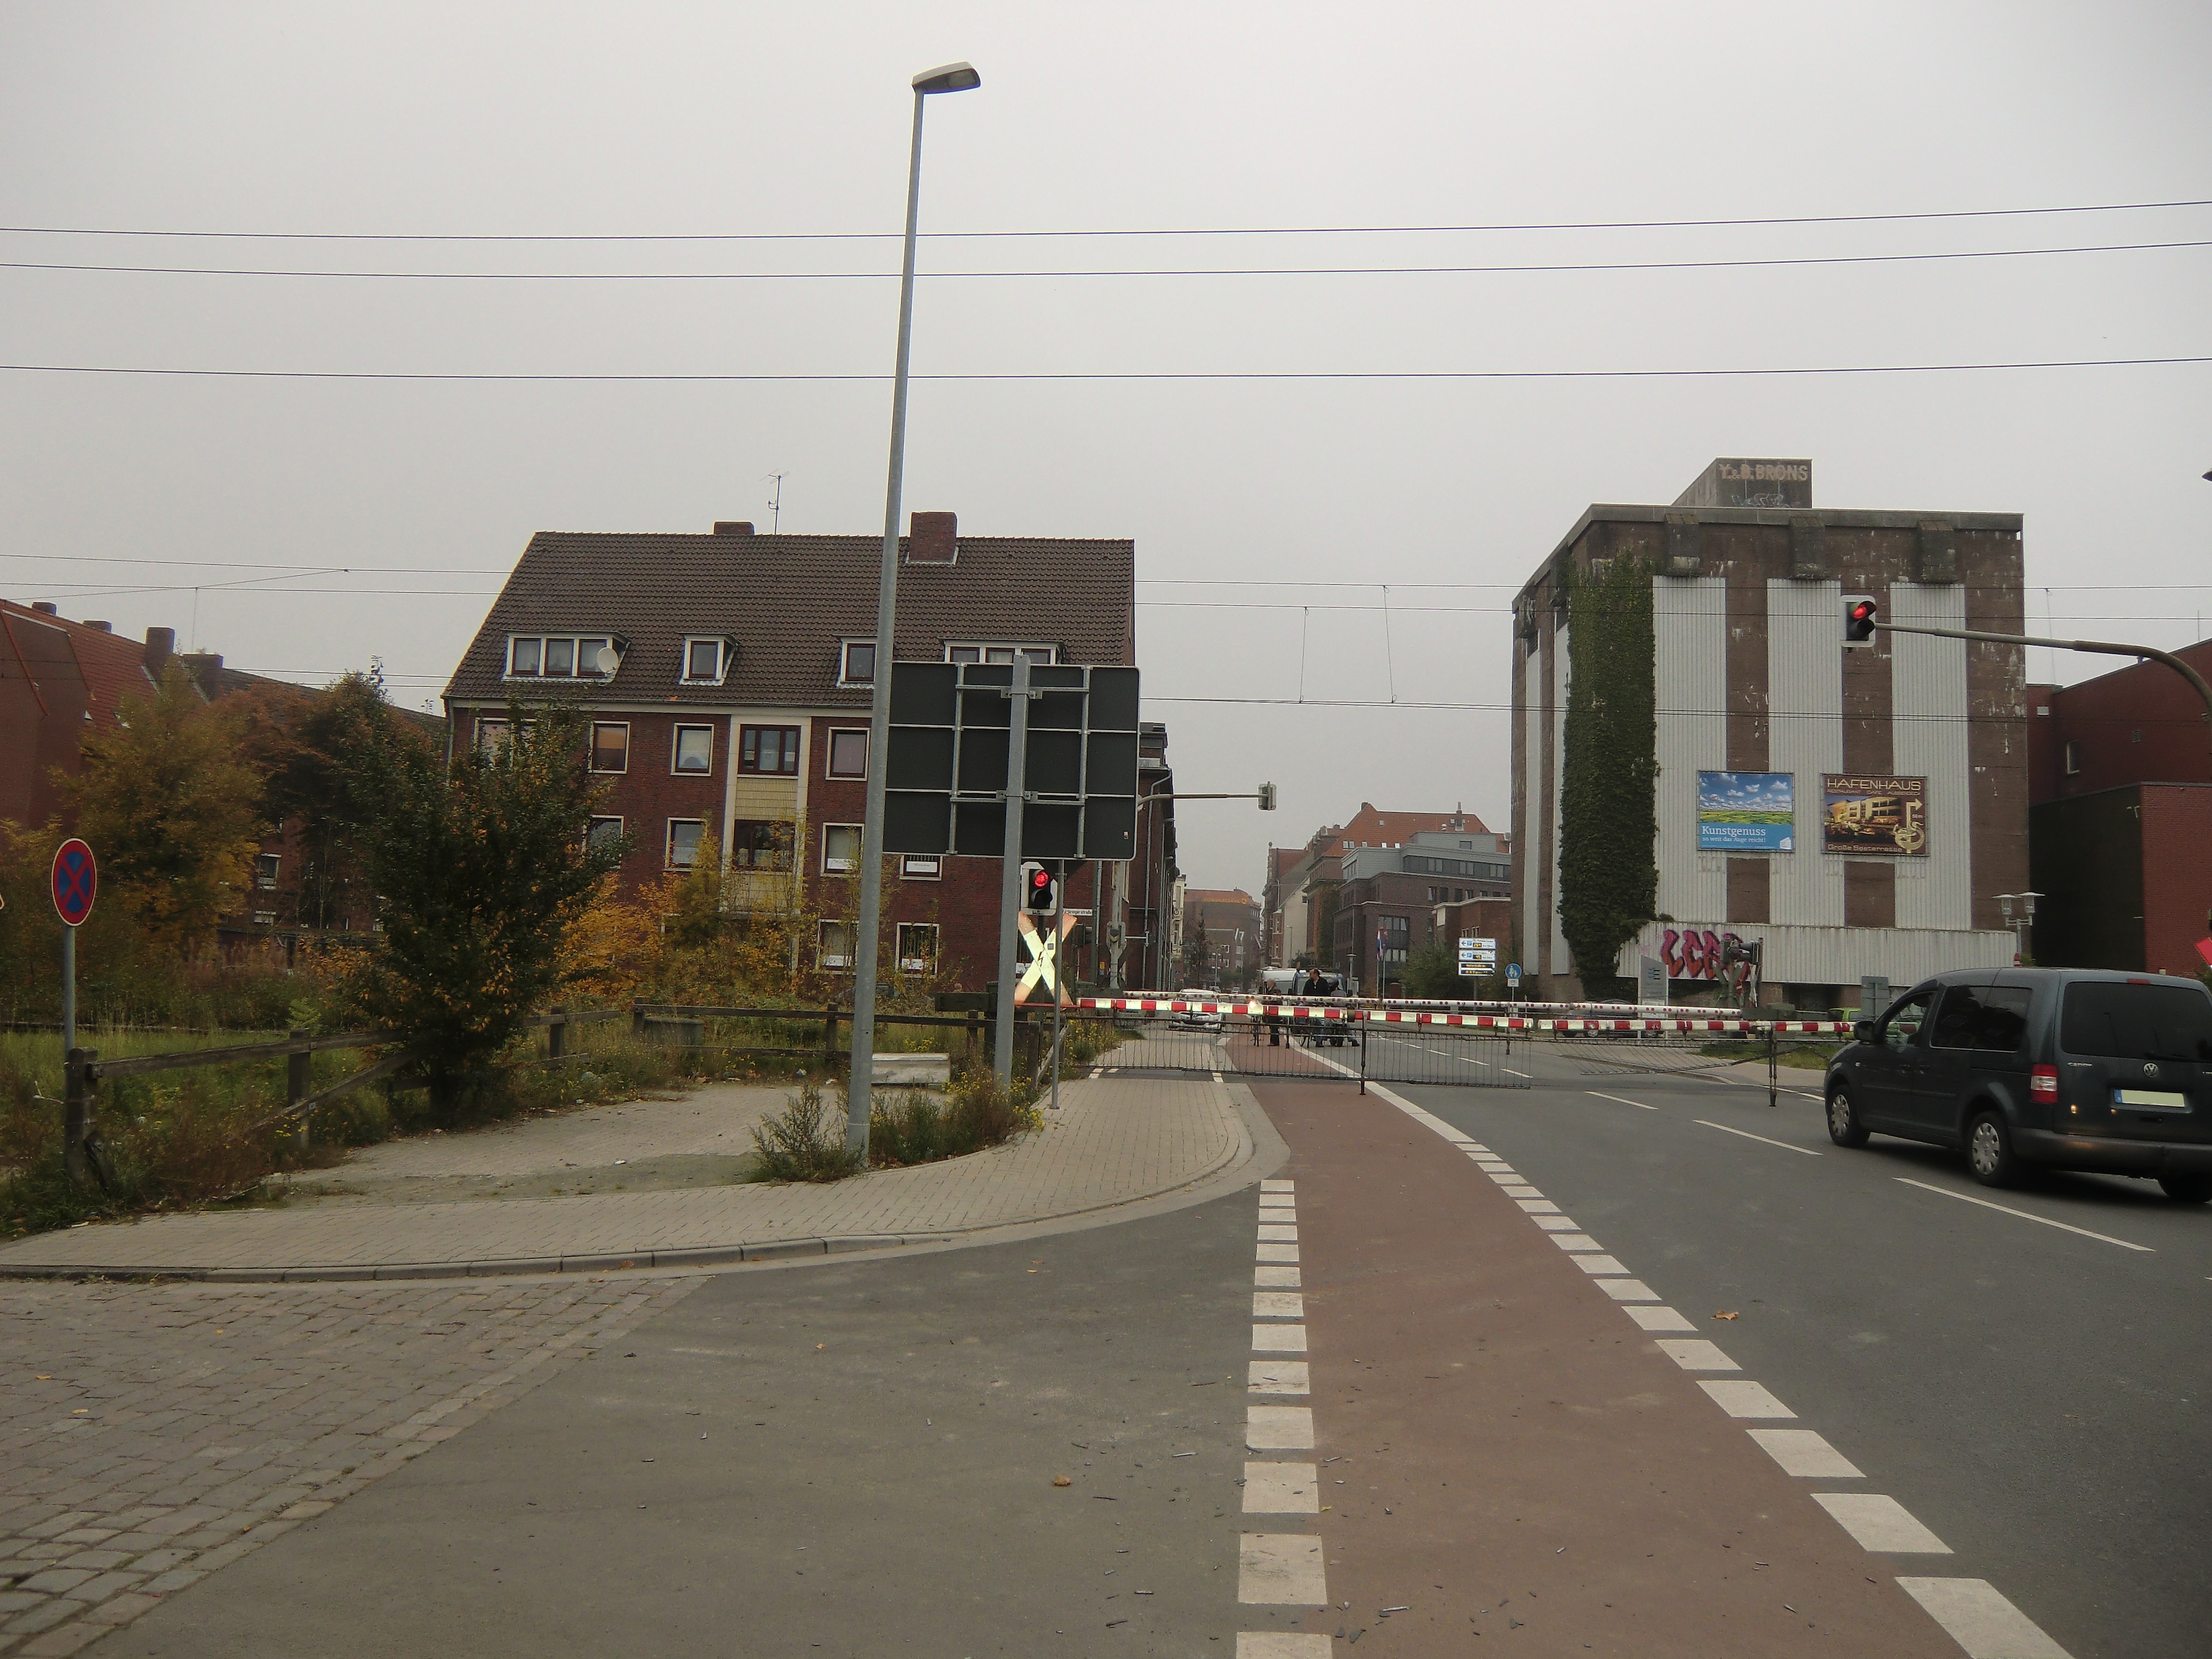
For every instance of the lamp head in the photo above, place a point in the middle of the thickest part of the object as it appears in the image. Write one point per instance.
(949, 77)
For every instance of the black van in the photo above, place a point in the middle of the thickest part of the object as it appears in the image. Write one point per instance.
(2069, 1068)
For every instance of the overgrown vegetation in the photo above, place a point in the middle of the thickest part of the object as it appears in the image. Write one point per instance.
(1608, 786)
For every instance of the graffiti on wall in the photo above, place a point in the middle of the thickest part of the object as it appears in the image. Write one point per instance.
(1695, 953)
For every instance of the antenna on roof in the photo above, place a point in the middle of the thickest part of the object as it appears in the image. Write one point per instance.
(775, 504)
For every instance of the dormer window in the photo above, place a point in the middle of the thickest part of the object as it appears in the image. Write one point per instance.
(706, 660)
(856, 663)
(964, 651)
(561, 657)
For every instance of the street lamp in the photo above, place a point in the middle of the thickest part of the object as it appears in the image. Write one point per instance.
(2019, 924)
(952, 77)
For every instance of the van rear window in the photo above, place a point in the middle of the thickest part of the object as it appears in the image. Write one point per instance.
(2137, 1021)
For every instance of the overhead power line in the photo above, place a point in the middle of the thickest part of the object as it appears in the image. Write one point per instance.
(1133, 375)
(1554, 267)
(1179, 230)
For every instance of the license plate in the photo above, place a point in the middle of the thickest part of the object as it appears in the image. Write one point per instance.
(2163, 1099)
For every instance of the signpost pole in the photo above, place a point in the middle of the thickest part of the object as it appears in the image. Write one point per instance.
(1009, 865)
(1059, 968)
(69, 988)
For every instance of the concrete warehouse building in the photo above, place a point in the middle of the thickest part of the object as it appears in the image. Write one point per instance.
(1852, 811)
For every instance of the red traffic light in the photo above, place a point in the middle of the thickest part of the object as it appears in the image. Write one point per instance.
(1042, 891)
(1859, 616)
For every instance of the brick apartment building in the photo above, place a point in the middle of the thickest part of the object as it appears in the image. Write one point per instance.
(1755, 692)
(1299, 897)
(1392, 900)
(2120, 819)
(726, 678)
(60, 679)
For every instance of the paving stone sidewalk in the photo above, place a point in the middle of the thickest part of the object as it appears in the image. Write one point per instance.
(1114, 1140)
(151, 1434)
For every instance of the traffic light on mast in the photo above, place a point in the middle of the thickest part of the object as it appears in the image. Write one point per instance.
(1043, 891)
(1858, 620)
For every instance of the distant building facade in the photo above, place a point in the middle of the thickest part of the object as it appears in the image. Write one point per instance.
(1390, 902)
(1853, 811)
(2120, 819)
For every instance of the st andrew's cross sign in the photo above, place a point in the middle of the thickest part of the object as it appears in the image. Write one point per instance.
(76, 881)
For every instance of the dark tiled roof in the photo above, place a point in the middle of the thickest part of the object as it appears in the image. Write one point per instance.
(788, 601)
(113, 667)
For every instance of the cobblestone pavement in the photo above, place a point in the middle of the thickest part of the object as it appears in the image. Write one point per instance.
(152, 1433)
(1115, 1141)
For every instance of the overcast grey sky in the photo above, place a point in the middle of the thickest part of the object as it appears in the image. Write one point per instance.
(538, 119)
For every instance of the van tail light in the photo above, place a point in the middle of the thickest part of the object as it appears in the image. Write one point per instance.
(2043, 1084)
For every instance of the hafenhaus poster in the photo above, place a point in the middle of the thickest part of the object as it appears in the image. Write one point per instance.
(1874, 815)
(1746, 812)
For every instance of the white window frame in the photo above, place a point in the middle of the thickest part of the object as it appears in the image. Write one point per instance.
(676, 752)
(668, 845)
(609, 771)
(918, 964)
(837, 867)
(493, 730)
(576, 643)
(724, 653)
(267, 868)
(830, 755)
(592, 824)
(1047, 655)
(909, 871)
(833, 961)
(2070, 757)
(845, 675)
(264, 918)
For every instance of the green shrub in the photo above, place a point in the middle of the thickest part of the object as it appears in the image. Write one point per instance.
(804, 1141)
(974, 1114)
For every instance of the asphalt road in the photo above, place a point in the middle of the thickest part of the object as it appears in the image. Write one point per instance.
(2037, 1396)
(848, 1459)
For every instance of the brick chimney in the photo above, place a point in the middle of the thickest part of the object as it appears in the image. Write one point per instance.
(161, 646)
(733, 526)
(934, 539)
(99, 627)
(45, 607)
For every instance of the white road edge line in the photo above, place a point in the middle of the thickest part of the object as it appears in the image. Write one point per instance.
(1619, 1100)
(1747, 1135)
(2028, 1215)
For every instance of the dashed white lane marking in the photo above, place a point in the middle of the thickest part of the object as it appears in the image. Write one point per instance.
(1278, 1339)
(1217, 1077)
(1806, 1452)
(1522, 1190)
(1510, 1071)
(1880, 1523)
(1278, 1569)
(1276, 1279)
(1279, 1186)
(1097, 1072)
(1279, 1253)
(1697, 1354)
(1745, 1399)
(1573, 1240)
(1278, 1304)
(2025, 1215)
(1278, 1428)
(1554, 1224)
(1619, 1100)
(1980, 1618)
(1280, 1644)
(1538, 1207)
(1598, 1264)
(1282, 1489)
(1627, 1290)
(1747, 1135)
(1278, 1376)
(1273, 1233)
(1661, 1318)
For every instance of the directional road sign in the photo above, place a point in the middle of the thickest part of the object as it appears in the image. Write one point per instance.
(76, 879)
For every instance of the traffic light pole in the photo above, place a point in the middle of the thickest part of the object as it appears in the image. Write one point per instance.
(2098, 647)
(1010, 865)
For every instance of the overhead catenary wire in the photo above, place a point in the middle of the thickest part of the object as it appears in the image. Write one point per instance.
(1546, 268)
(1098, 376)
(1132, 231)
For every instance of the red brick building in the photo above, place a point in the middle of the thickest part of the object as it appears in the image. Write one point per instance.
(726, 680)
(2120, 819)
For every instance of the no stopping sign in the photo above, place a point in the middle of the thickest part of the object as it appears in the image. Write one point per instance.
(76, 879)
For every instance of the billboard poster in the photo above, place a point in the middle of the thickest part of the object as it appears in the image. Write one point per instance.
(1746, 812)
(1875, 815)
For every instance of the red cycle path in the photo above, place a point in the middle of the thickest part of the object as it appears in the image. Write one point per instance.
(1521, 1463)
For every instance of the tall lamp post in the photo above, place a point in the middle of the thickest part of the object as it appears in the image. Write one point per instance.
(952, 77)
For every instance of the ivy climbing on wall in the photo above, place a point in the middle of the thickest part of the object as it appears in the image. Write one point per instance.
(1608, 814)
